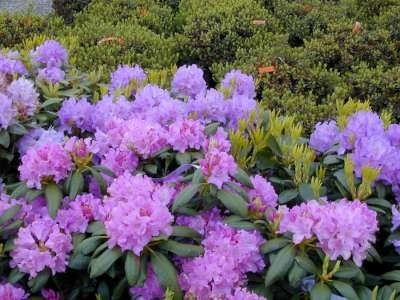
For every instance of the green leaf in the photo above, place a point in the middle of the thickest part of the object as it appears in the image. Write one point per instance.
(296, 275)
(183, 158)
(332, 160)
(211, 128)
(180, 249)
(307, 264)
(103, 290)
(15, 276)
(76, 185)
(274, 244)
(96, 228)
(53, 197)
(78, 261)
(17, 129)
(4, 139)
(345, 289)
(287, 195)
(281, 265)
(101, 264)
(347, 272)
(233, 202)
(132, 268)
(9, 214)
(90, 244)
(32, 195)
(239, 223)
(306, 191)
(20, 191)
(11, 227)
(143, 269)
(185, 196)
(184, 231)
(39, 281)
(100, 180)
(105, 170)
(320, 291)
(379, 202)
(392, 275)
(166, 273)
(120, 289)
(51, 101)
(243, 178)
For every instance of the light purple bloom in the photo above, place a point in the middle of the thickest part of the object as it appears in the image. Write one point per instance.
(51, 74)
(186, 134)
(263, 195)
(37, 137)
(217, 167)
(240, 83)
(75, 113)
(218, 141)
(8, 111)
(244, 294)
(125, 75)
(10, 66)
(49, 162)
(208, 107)
(239, 108)
(10, 292)
(324, 136)
(24, 97)
(119, 161)
(189, 81)
(50, 54)
(134, 214)
(41, 245)
(393, 134)
(49, 294)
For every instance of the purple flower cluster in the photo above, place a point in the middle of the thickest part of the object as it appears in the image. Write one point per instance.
(341, 228)
(325, 136)
(240, 84)
(50, 54)
(45, 163)
(189, 81)
(262, 195)
(41, 245)
(220, 274)
(151, 288)
(126, 75)
(135, 212)
(10, 292)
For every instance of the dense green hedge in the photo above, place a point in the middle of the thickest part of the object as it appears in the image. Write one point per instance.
(317, 56)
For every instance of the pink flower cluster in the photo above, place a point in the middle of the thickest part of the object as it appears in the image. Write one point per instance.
(342, 229)
(136, 211)
(10, 292)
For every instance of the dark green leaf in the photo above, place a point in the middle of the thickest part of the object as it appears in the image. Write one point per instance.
(143, 269)
(101, 264)
(120, 289)
(17, 129)
(166, 273)
(32, 195)
(243, 178)
(185, 196)
(379, 202)
(51, 101)
(180, 249)
(39, 281)
(4, 139)
(105, 170)
(306, 191)
(11, 227)
(332, 160)
(281, 265)
(274, 244)
(79, 261)
(96, 228)
(90, 244)
(320, 291)
(347, 272)
(307, 264)
(53, 197)
(76, 184)
(296, 275)
(184, 231)
(9, 214)
(239, 223)
(20, 191)
(183, 158)
(233, 202)
(103, 290)
(345, 289)
(287, 195)
(15, 276)
(274, 146)
(392, 275)
(211, 128)
(132, 268)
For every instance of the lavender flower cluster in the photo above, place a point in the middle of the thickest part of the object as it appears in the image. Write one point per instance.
(106, 166)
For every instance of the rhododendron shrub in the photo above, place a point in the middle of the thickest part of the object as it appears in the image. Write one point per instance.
(126, 190)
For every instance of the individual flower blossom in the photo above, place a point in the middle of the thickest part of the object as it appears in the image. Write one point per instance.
(11, 66)
(8, 111)
(41, 245)
(189, 81)
(218, 141)
(217, 167)
(393, 134)
(51, 75)
(11, 292)
(239, 108)
(144, 138)
(324, 136)
(75, 113)
(110, 136)
(186, 134)
(77, 214)
(49, 162)
(342, 229)
(80, 151)
(109, 108)
(151, 288)
(49, 294)
(133, 214)
(207, 107)
(262, 194)
(37, 137)
(216, 273)
(50, 54)
(360, 124)
(125, 75)
(244, 294)
(24, 97)
(239, 84)
(119, 161)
